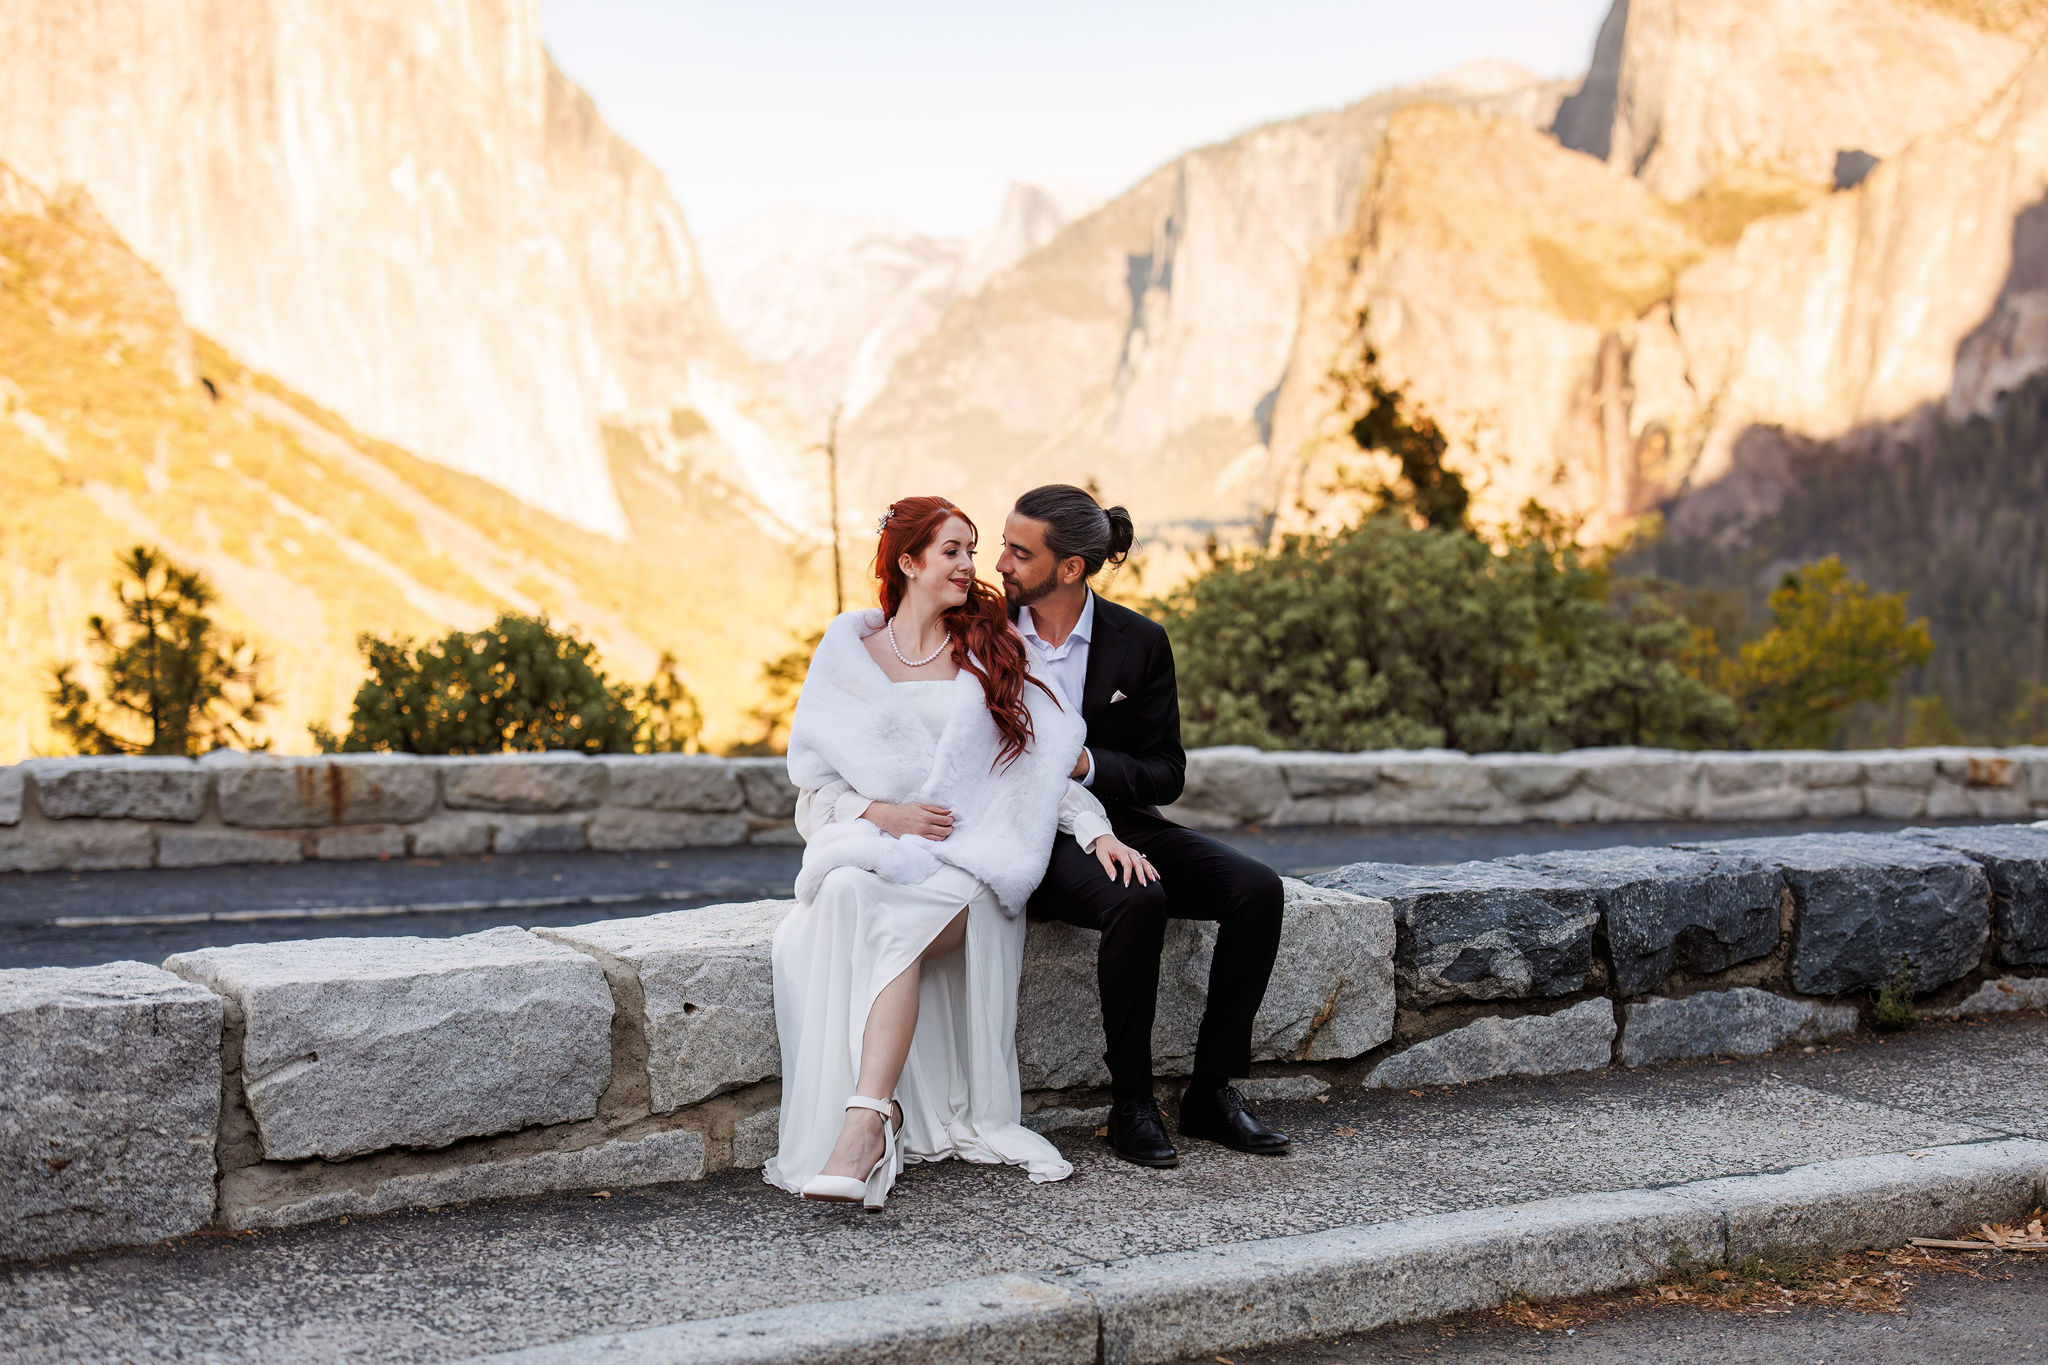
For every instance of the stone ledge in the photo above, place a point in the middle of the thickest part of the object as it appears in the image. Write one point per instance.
(109, 1093)
(353, 1045)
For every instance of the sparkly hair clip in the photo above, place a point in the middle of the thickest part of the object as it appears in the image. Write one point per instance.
(882, 522)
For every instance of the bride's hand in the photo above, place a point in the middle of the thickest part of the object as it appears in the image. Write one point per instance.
(1117, 856)
(926, 822)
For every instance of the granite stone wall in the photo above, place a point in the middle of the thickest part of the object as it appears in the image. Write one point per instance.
(85, 813)
(278, 1083)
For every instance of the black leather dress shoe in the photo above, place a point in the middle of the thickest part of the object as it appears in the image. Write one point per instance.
(1137, 1133)
(1221, 1116)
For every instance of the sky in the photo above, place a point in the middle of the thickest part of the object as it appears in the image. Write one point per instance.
(923, 113)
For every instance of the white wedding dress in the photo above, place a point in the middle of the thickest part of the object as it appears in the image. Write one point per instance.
(959, 1088)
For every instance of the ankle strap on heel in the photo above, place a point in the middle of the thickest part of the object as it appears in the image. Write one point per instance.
(881, 1107)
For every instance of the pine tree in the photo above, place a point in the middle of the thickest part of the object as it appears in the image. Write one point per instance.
(172, 681)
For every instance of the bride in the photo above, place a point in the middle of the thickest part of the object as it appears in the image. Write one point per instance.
(932, 767)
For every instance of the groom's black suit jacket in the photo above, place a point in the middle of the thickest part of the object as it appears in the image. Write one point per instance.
(1133, 741)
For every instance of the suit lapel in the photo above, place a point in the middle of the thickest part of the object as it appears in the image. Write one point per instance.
(1105, 660)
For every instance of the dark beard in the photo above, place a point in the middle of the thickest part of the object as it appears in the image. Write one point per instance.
(1024, 597)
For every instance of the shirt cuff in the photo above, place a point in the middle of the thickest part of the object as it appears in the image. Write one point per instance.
(849, 806)
(1088, 827)
(1088, 778)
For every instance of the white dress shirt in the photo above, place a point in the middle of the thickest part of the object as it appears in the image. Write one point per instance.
(1065, 663)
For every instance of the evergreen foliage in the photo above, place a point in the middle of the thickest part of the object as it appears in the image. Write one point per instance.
(172, 681)
(1392, 636)
(782, 677)
(518, 685)
(1832, 643)
(1428, 492)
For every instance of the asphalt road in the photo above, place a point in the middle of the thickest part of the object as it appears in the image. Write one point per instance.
(2001, 1317)
(79, 918)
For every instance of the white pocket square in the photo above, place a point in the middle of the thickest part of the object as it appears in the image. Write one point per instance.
(1116, 696)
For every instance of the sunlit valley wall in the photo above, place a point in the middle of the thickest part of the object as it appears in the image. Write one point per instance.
(363, 310)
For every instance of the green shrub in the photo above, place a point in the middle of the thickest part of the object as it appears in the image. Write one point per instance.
(1892, 1009)
(1390, 635)
(519, 684)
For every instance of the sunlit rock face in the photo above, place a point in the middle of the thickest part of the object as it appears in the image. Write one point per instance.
(1144, 345)
(1718, 91)
(407, 213)
(1607, 342)
(824, 305)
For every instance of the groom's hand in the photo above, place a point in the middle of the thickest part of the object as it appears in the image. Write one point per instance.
(926, 822)
(1080, 767)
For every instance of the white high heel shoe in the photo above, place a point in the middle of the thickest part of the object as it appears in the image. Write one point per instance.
(874, 1191)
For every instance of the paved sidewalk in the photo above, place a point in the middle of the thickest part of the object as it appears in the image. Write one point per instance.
(439, 1286)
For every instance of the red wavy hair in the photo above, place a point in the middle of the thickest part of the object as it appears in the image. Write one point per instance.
(984, 642)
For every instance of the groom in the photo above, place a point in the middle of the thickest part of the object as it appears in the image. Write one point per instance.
(1119, 666)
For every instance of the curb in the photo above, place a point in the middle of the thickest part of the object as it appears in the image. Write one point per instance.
(1278, 1291)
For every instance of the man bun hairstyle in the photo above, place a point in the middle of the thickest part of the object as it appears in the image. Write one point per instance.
(1077, 525)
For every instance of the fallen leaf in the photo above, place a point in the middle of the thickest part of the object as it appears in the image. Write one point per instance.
(1717, 1274)
(1345, 1132)
(602, 1194)
(1416, 1093)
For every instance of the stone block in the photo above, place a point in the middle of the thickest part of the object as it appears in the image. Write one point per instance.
(1817, 769)
(1866, 902)
(755, 1138)
(706, 990)
(449, 835)
(1531, 779)
(1895, 803)
(1998, 996)
(767, 786)
(1055, 1117)
(615, 828)
(1832, 803)
(264, 791)
(1331, 995)
(378, 789)
(218, 847)
(1577, 1039)
(622, 1163)
(13, 784)
(1728, 774)
(685, 782)
(1437, 782)
(1311, 775)
(1478, 931)
(1739, 1023)
(540, 833)
(522, 783)
(77, 846)
(2015, 861)
(118, 788)
(1905, 769)
(1666, 908)
(360, 841)
(1230, 785)
(353, 1045)
(778, 833)
(109, 1095)
(1641, 784)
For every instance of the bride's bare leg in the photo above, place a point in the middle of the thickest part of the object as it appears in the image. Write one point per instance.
(884, 1047)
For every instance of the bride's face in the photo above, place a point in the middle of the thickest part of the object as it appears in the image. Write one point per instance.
(943, 574)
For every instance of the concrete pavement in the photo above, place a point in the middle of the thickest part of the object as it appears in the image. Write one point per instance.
(535, 1273)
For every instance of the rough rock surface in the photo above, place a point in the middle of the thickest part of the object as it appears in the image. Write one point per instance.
(655, 1159)
(268, 791)
(1332, 993)
(12, 785)
(754, 1139)
(1668, 908)
(118, 788)
(1478, 931)
(2015, 859)
(352, 1045)
(1577, 1039)
(1866, 903)
(1738, 1023)
(1999, 996)
(526, 783)
(78, 845)
(706, 989)
(673, 782)
(109, 1093)
(375, 788)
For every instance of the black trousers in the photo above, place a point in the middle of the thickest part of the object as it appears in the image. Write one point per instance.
(1199, 878)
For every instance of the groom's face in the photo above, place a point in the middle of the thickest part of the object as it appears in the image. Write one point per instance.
(1026, 567)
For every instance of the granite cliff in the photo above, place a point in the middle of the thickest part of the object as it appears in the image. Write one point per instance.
(121, 424)
(409, 215)
(1142, 347)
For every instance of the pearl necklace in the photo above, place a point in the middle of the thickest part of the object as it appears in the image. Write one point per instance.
(917, 663)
